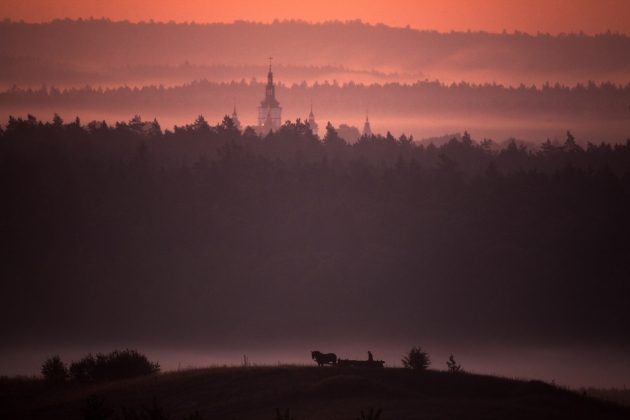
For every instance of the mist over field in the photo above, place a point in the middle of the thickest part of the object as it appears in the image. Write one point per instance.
(595, 113)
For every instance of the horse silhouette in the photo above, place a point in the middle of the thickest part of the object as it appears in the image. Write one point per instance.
(324, 358)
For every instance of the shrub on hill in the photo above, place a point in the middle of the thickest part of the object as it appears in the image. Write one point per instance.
(54, 370)
(453, 366)
(416, 359)
(83, 370)
(118, 364)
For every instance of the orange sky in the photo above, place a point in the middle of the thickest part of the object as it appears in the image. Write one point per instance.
(590, 16)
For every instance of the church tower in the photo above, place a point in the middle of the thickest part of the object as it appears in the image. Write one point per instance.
(235, 119)
(269, 111)
(311, 121)
(367, 130)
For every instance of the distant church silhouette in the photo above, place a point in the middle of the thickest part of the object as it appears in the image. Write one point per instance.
(270, 111)
(237, 122)
(367, 130)
(311, 121)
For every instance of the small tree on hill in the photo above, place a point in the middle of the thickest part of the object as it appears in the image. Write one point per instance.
(453, 366)
(54, 370)
(416, 359)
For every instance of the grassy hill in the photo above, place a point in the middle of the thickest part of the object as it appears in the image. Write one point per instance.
(310, 393)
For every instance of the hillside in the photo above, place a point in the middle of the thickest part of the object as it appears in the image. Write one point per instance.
(311, 393)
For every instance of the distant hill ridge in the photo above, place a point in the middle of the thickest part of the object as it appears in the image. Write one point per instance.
(470, 56)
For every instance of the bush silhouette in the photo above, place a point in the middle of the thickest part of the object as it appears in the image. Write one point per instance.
(416, 359)
(84, 369)
(453, 366)
(54, 370)
(118, 364)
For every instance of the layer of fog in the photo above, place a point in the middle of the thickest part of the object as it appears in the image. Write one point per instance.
(427, 129)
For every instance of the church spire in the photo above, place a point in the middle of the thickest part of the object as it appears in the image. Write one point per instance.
(270, 89)
(311, 121)
(235, 120)
(269, 110)
(367, 130)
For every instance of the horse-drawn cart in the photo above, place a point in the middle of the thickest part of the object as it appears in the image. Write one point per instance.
(360, 363)
(331, 359)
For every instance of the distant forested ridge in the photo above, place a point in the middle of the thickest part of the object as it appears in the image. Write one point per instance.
(253, 238)
(529, 86)
(605, 101)
(98, 51)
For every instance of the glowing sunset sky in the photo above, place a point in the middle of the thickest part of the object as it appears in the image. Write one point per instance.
(553, 16)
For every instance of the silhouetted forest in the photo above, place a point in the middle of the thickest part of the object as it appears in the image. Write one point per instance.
(74, 50)
(224, 236)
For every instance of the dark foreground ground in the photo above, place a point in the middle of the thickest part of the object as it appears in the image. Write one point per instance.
(309, 393)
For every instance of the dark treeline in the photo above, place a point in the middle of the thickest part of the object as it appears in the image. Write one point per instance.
(208, 234)
(590, 101)
(512, 58)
